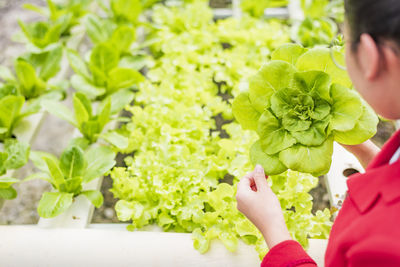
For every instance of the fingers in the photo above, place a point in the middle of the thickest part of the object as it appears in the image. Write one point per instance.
(260, 178)
(246, 183)
(246, 180)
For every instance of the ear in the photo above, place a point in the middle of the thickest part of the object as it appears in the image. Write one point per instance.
(369, 57)
(392, 60)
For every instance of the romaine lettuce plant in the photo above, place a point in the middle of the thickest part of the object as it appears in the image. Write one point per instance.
(298, 108)
(98, 29)
(105, 76)
(10, 114)
(66, 12)
(14, 155)
(126, 10)
(33, 71)
(42, 34)
(121, 37)
(91, 125)
(68, 174)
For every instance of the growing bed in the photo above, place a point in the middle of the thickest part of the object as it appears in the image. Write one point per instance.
(70, 238)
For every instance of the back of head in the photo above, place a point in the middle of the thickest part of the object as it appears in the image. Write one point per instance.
(378, 18)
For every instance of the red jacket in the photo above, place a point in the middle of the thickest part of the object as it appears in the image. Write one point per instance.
(366, 231)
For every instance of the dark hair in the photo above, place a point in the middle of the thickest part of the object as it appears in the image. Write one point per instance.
(378, 18)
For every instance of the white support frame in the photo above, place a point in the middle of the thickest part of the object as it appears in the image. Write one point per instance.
(342, 160)
(111, 245)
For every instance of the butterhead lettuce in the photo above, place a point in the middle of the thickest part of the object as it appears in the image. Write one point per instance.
(299, 104)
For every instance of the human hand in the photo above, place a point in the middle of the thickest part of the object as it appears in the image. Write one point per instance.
(260, 205)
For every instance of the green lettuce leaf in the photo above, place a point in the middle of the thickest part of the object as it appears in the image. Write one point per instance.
(320, 59)
(53, 204)
(271, 164)
(267, 81)
(244, 112)
(364, 129)
(273, 137)
(309, 159)
(347, 108)
(289, 53)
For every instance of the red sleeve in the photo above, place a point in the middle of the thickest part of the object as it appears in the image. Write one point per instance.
(375, 251)
(288, 253)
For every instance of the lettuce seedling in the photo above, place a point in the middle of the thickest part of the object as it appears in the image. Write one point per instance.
(105, 76)
(298, 105)
(98, 29)
(14, 155)
(68, 174)
(67, 12)
(91, 125)
(42, 34)
(33, 71)
(10, 114)
(126, 10)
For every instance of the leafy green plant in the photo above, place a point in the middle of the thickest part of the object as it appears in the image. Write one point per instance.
(226, 52)
(68, 174)
(42, 34)
(315, 31)
(105, 76)
(183, 170)
(298, 105)
(126, 10)
(182, 18)
(6, 189)
(10, 114)
(256, 8)
(91, 125)
(98, 29)
(318, 9)
(32, 74)
(320, 24)
(315, 8)
(67, 12)
(173, 181)
(14, 155)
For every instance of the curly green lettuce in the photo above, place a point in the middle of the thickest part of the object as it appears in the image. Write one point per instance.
(315, 31)
(299, 104)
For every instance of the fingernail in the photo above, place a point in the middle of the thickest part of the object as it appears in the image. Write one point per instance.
(259, 169)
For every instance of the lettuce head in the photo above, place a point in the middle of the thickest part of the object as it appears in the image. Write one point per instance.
(299, 103)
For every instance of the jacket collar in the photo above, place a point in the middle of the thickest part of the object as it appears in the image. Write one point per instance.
(380, 178)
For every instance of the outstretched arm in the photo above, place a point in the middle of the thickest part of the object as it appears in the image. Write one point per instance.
(260, 205)
(364, 152)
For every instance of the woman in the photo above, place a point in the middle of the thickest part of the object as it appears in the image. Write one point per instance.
(366, 231)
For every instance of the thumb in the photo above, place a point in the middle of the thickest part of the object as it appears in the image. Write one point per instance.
(259, 178)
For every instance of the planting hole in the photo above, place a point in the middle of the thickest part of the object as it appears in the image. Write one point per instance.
(350, 171)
